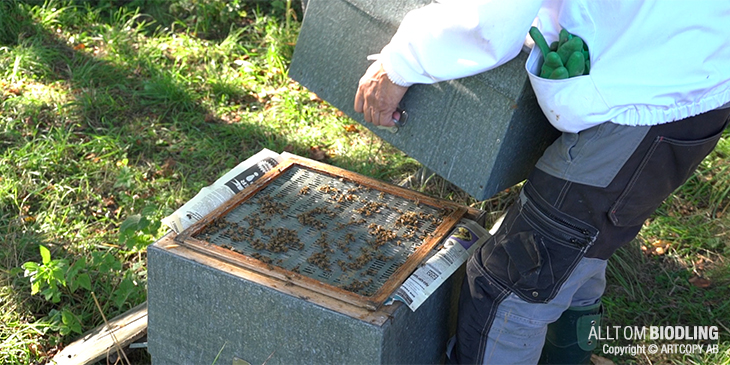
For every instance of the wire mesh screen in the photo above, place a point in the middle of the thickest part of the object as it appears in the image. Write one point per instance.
(330, 230)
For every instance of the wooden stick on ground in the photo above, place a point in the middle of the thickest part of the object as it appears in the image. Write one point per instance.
(120, 353)
(94, 345)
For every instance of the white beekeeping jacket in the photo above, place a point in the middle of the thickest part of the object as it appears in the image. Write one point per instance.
(652, 61)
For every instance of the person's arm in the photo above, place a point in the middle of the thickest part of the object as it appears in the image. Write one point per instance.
(443, 41)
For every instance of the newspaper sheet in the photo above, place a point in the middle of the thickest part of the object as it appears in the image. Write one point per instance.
(223, 189)
(457, 247)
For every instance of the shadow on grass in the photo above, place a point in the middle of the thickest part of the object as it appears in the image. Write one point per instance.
(160, 124)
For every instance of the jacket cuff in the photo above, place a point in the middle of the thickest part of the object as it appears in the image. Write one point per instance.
(388, 67)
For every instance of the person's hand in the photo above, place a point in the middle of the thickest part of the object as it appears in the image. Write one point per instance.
(377, 97)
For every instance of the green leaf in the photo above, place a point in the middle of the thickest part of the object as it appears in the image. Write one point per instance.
(126, 287)
(74, 270)
(84, 281)
(148, 210)
(154, 227)
(52, 294)
(129, 228)
(130, 224)
(31, 268)
(45, 254)
(70, 321)
(80, 264)
(58, 274)
(143, 223)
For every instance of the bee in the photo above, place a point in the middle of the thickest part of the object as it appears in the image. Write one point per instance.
(321, 260)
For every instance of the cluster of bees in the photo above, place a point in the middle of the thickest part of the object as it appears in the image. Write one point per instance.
(382, 235)
(283, 240)
(270, 207)
(321, 260)
(366, 255)
(308, 218)
(370, 208)
(343, 244)
(352, 222)
(255, 220)
(408, 219)
(323, 242)
(280, 240)
(342, 197)
(214, 227)
(381, 256)
(357, 285)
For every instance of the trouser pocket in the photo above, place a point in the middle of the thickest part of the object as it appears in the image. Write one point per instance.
(536, 248)
(667, 165)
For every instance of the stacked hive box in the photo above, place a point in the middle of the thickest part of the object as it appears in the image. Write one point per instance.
(482, 133)
(202, 309)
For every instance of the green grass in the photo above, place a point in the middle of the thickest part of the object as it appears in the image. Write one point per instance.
(650, 287)
(109, 110)
(114, 113)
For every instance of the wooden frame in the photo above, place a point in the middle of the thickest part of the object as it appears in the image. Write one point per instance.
(186, 238)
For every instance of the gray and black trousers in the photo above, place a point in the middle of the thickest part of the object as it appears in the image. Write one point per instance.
(589, 194)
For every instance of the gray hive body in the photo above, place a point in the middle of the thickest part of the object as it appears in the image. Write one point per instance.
(482, 133)
(199, 313)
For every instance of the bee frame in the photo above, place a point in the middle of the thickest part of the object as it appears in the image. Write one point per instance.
(451, 215)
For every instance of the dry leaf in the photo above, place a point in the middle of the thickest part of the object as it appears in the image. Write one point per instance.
(79, 46)
(700, 282)
(316, 153)
(351, 128)
(598, 360)
(168, 166)
(35, 349)
(108, 201)
(14, 89)
(314, 97)
(659, 247)
(93, 157)
(700, 264)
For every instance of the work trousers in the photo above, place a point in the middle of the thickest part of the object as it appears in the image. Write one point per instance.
(589, 194)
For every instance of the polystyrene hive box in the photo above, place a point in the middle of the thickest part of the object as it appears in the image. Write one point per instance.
(482, 133)
(213, 289)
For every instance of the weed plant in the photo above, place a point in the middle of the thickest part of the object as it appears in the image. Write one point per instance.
(114, 113)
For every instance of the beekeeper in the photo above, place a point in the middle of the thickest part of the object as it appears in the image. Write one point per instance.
(652, 104)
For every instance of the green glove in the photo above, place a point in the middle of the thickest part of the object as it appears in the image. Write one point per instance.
(564, 58)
